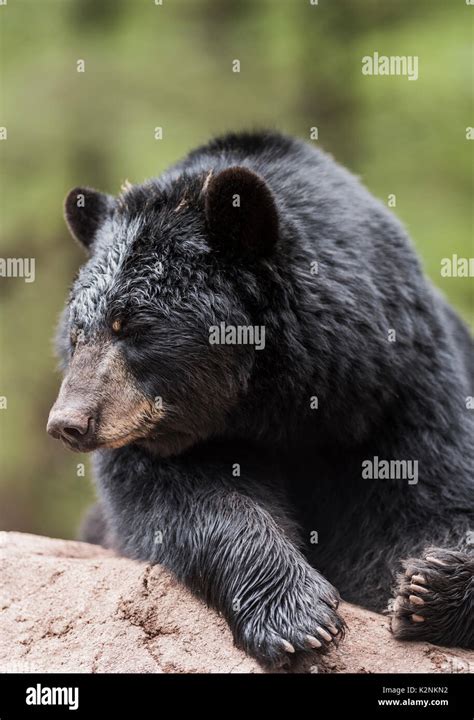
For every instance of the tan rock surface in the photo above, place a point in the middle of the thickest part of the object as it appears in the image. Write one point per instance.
(72, 607)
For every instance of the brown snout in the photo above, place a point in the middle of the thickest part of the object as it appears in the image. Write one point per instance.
(73, 425)
(99, 405)
(74, 416)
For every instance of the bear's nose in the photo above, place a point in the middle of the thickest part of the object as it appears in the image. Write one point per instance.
(70, 425)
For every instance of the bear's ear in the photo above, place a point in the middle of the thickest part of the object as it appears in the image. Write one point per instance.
(241, 214)
(85, 210)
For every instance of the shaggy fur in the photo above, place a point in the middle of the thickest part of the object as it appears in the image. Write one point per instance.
(247, 483)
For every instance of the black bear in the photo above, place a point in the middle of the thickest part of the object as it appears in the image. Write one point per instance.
(278, 401)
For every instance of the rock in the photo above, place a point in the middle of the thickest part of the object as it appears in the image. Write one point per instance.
(72, 607)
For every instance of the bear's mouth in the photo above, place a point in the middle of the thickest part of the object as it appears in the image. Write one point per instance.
(162, 444)
(89, 445)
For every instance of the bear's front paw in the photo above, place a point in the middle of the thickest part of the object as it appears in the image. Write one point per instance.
(435, 599)
(279, 623)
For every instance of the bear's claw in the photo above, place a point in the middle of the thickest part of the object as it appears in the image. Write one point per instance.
(312, 642)
(435, 592)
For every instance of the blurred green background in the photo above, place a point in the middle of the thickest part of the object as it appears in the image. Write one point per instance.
(170, 65)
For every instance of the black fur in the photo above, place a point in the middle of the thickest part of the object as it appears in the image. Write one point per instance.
(246, 543)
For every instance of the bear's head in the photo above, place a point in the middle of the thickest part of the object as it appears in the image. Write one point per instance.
(169, 263)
